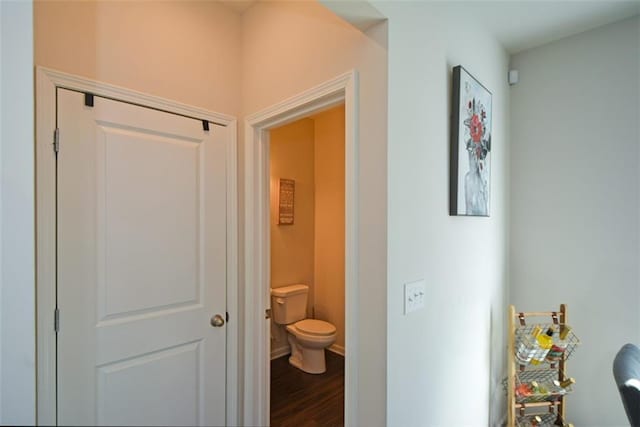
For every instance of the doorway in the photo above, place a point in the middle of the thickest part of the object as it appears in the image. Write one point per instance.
(307, 225)
(340, 90)
(135, 257)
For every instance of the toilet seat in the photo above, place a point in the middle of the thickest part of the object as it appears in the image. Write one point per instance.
(315, 327)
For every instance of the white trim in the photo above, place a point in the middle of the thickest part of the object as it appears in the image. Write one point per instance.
(343, 88)
(46, 83)
(69, 81)
(233, 330)
(280, 351)
(45, 249)
(337, 349)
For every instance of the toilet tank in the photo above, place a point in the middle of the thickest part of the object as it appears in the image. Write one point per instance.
(289, 303)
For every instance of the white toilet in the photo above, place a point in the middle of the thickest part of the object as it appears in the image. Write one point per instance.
(307, 337)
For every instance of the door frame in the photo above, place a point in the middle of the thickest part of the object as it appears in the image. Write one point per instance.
(47, 80)
(256, 385)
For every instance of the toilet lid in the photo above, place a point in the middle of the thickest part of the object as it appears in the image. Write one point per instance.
(315, 327)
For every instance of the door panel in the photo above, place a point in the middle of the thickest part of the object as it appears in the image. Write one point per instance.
(142, 270)
(141, 266)
(143, 381)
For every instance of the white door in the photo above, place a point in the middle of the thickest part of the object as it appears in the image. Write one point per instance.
(141, 266)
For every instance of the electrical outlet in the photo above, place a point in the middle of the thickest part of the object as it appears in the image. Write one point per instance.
(414, 296)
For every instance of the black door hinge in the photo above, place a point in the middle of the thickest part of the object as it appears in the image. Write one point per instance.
(56, 320)
(56, 140)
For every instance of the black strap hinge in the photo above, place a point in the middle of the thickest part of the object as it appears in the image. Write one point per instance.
(88, 99)
(205, 125)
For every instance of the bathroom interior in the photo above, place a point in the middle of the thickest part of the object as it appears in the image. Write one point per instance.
(307, 225)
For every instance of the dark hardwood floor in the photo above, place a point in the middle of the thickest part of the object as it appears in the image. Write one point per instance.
(300, 399)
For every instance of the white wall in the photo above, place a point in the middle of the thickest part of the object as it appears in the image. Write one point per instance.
(17, 287)
(1, 193)
(445, 362)
(575, 170)
(290, 47)
(187, 51)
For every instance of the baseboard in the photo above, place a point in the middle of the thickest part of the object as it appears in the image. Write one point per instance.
(279, 352)
(284, 350)
(337, 349)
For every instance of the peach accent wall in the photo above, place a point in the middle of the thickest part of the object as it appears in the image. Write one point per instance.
(330, 220)
(292, 156)
(186, 51)
(311, 251)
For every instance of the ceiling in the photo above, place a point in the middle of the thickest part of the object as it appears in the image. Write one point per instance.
(520, 25)
(523, 24)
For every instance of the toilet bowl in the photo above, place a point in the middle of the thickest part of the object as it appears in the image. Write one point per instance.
(307, 337)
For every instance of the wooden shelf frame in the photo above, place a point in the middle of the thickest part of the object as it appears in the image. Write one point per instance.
(518, 319)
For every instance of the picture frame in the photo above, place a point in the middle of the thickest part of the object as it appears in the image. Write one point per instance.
(286, 199)
(470, 146)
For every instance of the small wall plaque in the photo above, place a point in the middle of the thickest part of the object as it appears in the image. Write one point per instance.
(285, 201)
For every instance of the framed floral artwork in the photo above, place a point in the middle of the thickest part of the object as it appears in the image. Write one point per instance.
(470, 154)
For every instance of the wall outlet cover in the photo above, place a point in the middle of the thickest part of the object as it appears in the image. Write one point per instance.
(414, 296)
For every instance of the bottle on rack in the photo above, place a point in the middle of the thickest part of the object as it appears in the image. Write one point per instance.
(530, 421)
(540, 390)
(528, 347)
(556, 352)
(545, 341)
(557, 389)
(523, 391)
(528, 391)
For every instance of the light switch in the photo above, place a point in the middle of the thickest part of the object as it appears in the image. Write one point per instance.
(414, 296)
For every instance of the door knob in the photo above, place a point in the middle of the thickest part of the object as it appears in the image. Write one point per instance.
(217, 321)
